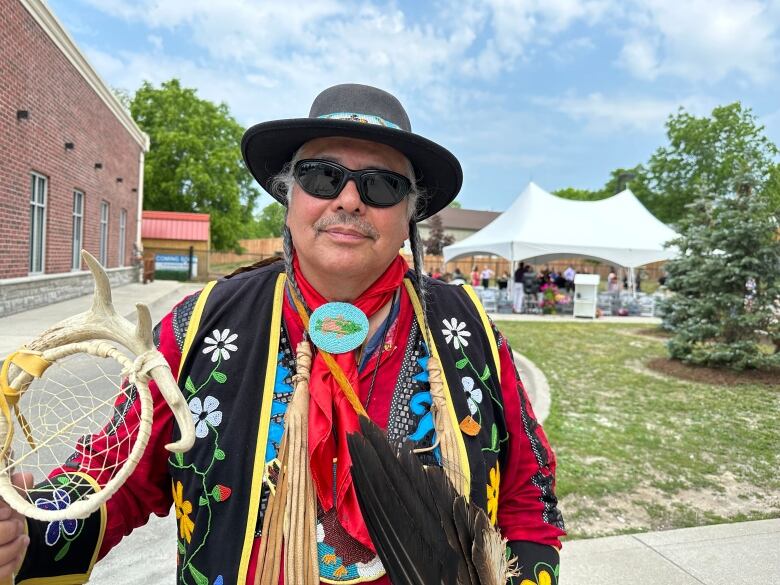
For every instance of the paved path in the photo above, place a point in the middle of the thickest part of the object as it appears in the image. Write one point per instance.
(571, 319)
(744, 553)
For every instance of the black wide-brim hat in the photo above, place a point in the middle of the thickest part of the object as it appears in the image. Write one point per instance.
(355, 111)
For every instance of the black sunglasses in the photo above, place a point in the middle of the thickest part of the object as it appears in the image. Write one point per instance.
(326, 179)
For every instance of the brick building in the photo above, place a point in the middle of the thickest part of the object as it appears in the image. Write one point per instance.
(71, 164)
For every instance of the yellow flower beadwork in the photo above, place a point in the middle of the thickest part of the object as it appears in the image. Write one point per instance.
(183, 511)
(492, 494)
(543, 579)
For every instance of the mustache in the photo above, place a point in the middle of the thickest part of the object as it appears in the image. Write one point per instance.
(347, 220)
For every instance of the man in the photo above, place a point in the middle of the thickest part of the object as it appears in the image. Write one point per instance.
(355, 181)
(486, 275)
(569, 275)
(518, 293)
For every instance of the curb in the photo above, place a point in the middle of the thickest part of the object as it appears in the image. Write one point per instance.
(536, 385)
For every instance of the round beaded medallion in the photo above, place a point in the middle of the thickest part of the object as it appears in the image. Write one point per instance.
(338, 327)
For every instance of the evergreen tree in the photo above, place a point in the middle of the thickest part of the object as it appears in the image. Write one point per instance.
(437, 239)
(726, 280)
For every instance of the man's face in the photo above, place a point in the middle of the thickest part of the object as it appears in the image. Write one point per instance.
(344, 236)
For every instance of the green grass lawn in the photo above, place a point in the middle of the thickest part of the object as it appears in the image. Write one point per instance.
(641, 451)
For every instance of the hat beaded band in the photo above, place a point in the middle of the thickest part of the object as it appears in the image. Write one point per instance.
(361, 118)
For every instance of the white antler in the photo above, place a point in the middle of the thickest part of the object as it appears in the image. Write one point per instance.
(103, 322)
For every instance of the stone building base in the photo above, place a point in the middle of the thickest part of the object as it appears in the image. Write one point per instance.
(29, 292)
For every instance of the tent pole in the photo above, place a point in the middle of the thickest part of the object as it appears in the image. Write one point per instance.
(633, 281)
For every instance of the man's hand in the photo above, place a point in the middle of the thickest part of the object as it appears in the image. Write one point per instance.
(13, 540)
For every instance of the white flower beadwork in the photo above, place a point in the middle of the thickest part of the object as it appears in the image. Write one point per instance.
(205, 414)
(222, 342)
(455, 332)
(474, 394)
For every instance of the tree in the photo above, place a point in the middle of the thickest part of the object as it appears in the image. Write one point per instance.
(269, 224)
(455, 204)
(634, 179)
(579, 194)
(194, 161)
(708, 152)
(437, 239)
(726, 280)
(123, 96)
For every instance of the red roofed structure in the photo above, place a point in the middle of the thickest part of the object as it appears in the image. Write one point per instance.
(179, 242)
(175, 225)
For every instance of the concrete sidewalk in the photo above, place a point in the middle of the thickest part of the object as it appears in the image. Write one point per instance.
(743, 553)
(159, 296)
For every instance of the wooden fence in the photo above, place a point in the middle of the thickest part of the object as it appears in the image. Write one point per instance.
(260, 249)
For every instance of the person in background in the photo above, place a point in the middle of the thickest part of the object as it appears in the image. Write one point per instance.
(518, 290)
(569, 275)
(503, 281)
(612, 281)
(475, 276)
(457, 277)
(486, 275)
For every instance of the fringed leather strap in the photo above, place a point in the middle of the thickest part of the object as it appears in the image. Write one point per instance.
(291, 516)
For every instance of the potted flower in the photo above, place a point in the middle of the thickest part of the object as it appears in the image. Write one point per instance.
(549, 301)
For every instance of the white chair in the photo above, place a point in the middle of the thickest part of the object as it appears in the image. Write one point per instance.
(490, 300)
(646, 306)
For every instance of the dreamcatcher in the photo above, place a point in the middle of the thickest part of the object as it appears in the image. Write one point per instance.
(69, 389)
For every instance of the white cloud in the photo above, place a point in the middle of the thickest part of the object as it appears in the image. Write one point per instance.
(703, 40)
(155, 41)
(333, 38)
(608, 114)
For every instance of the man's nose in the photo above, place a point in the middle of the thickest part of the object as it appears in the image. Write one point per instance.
(349, 198)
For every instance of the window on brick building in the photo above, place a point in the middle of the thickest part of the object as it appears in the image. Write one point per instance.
(37, 222)
(104, 233)
(78, 230)
(122, 234)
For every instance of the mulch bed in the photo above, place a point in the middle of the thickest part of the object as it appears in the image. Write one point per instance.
(723, 377)
(654, 332)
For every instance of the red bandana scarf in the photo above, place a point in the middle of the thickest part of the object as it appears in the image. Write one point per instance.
(331, 416)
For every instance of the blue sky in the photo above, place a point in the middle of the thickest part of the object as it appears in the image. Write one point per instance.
(560, 92)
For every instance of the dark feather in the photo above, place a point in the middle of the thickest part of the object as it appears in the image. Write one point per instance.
(443, 495)
(412, 550)
(483, 562)
(461, 514)
(424, 532)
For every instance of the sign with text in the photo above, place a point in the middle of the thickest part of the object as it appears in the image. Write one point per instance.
(176, 263)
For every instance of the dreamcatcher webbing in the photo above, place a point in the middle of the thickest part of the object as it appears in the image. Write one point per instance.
(76, 414)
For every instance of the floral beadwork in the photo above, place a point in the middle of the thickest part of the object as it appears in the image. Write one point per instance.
(68, 529)
(207, 417)
(205, 414)
(494, 482)
(60, 500)
(221, 344)
(183, 511)
(476, 385)
(474, 394)
(544, 574)
(455, 332)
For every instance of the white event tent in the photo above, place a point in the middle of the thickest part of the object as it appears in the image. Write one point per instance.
(539, 227)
